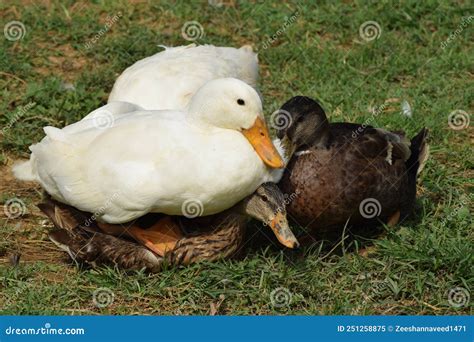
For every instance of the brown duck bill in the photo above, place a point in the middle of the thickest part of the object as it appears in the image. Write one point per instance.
(282, 231)
(259, 138)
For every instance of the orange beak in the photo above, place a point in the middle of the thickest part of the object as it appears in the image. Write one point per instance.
(282, 231)
(259, 138)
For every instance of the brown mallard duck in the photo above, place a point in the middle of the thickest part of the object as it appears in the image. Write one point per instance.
(347, 172)
(206, 238)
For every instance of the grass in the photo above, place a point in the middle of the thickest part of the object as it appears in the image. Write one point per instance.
(409, 269)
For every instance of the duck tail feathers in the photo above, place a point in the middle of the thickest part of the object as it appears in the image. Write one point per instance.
(247, 48)
(63, 239)
(24, 170)
(59, 168)
(77, 244)
(419, 153)
(63, 216)
(177, 48)
(102, 249)
(27, 170)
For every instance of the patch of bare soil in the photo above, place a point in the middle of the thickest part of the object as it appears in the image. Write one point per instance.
(63, 61)
(23, 238)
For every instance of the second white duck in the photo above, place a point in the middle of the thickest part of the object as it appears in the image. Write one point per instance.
(169, 79)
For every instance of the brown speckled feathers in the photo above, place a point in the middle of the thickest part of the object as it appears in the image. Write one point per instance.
(221, 238)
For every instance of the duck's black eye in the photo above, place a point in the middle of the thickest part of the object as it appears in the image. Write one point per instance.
(264, 198)
(241, 102)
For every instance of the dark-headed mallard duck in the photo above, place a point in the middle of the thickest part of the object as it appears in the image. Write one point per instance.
(345, 172)
(215, 237)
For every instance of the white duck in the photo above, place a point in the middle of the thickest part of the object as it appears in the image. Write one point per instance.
(213, 155)
(169, 79)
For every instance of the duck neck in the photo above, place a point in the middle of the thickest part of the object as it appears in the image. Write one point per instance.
(322, 137)
(317, 139)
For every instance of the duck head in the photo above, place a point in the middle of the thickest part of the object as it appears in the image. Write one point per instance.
(307, 126)
(229, 103)
(267, 204)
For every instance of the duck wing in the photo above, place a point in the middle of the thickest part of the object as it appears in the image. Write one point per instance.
(78, 235)
(63, 216)
(102, 117)
(101, 249)
(371, 142)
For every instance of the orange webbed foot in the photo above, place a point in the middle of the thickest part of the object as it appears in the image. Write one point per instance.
(160, 237)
